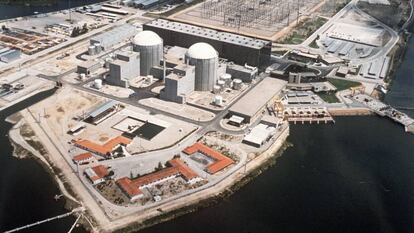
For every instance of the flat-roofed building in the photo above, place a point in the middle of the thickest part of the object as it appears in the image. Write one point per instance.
(88, 67)
(10, 55)
(77, 129)
(114, 36)
(236, 48)
(251, 105)
(102, 112)
(259, 135)
(246, 74)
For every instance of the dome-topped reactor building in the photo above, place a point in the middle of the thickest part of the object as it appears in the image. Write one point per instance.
(150, 46)
(205, 59)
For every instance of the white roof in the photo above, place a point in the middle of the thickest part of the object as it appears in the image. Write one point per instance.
(147, 38)
(236, 119)
(259, 134)
(258, 97)
(202, 51)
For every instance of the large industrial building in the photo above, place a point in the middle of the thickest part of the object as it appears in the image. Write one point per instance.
(125, 68)
(150, 46)
(236, 48)
(251, 106)
(8, 55)
(115, 36)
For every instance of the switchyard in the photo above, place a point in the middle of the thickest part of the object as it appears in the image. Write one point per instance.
(258, 18)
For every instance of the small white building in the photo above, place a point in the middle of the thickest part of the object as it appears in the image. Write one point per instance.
(259, 135)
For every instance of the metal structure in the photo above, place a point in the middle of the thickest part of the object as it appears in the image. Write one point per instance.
(236, 48)
(254, 13)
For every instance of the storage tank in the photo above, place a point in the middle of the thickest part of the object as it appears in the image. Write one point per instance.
(97, 83)
(218, 100)
(227, 79)
(82, 76)
(91, 50)
(150, 46)
(216, 89)
(237, 84)
(221, 84)
(205, 59)
(98, 48)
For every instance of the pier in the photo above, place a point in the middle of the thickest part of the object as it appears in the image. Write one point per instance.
(385, 110)
(311, 120)
(77, 210)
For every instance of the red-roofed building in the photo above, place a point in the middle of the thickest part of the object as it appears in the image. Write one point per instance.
(220, 161)
(96, 174)
(82, 158)
(105, 149)
(132, 188)
(132, 191)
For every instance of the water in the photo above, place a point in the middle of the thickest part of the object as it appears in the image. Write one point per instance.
(354, 176)
(9, 11)
(26, 189)
(349, 177)
(402, 93)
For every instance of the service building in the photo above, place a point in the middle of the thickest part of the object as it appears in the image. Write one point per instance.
(251, 105)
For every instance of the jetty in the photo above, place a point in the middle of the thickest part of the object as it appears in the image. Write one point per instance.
(385, 110)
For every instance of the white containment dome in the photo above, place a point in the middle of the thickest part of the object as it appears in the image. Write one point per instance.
(205, 59)
(202, 51)
(150, 47)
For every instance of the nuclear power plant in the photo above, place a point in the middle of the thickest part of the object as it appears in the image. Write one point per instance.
(204, 66)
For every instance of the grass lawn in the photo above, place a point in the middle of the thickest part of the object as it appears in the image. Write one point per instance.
(304, 30)
(279, 52)
(341, 85)
(314, 44)
(175, 10)
(329, 97)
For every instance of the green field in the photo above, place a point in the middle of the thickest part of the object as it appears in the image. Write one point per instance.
(304, 30)
(341, 85)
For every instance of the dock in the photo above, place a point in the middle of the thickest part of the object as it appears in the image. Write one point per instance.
(311, 120)
(311, 115)
(385, 110)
